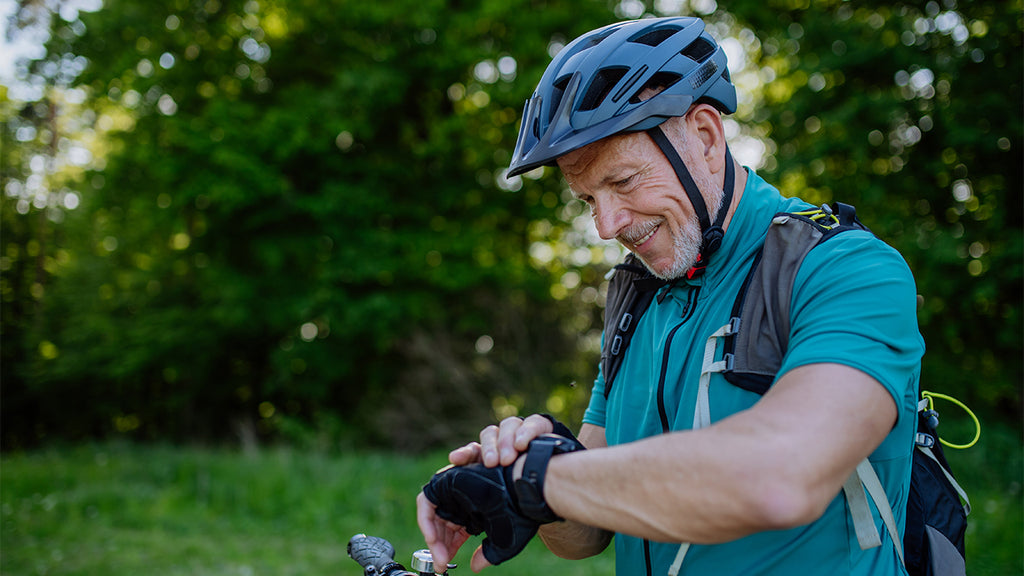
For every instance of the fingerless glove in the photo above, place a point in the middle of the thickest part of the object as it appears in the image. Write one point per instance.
(482, 500)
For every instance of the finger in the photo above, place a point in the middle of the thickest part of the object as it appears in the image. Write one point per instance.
(489, 445)
(478, 562)
(532, 427)
(468, 454)
(507, 432)
(426, 518)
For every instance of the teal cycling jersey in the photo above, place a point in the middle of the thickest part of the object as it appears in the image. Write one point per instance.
(853, 303)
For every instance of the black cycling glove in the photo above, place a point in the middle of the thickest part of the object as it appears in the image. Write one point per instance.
(487, 500)
(482, 500)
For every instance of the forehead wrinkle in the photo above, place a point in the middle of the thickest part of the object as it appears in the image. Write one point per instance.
(603, 161)
(578, 162)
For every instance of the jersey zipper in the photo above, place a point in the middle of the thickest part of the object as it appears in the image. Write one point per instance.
(647, 557)
(687, 313)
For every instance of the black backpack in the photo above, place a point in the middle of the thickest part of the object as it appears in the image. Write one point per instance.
(756, 339)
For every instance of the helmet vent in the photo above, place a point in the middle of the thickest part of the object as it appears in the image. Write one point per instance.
(654, 37)
(557, 90)
(699, 50)
(659, 82)
(703, 74)
(601, 85)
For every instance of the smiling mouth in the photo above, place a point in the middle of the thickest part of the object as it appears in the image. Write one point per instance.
(643, 240)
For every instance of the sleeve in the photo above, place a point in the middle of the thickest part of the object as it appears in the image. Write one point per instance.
(595, 413)
(854, 303)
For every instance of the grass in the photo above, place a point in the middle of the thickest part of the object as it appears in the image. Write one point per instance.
(123, 509)
(115, 509)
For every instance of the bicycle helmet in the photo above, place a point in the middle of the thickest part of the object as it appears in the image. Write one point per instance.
(591, 89)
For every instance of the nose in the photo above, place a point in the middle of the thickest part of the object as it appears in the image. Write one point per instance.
(610, 216)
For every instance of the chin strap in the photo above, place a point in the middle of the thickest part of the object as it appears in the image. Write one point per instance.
(711, 233)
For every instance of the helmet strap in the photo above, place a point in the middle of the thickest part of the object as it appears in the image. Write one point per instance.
(711, 233)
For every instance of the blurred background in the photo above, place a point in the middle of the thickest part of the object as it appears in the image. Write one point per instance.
(244, 225)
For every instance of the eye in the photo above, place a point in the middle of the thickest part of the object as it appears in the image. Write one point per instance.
(625, 181)
(589, 200)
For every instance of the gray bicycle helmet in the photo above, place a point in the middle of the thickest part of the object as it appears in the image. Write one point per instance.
(591, 89)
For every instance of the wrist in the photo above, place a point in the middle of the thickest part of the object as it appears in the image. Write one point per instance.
(517, 467)
(530, 470)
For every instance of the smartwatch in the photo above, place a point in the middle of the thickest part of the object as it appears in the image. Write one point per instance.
(529, 487)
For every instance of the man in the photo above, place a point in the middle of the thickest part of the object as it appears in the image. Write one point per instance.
(631, 114)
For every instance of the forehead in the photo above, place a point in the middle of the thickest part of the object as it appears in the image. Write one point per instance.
(601, 158)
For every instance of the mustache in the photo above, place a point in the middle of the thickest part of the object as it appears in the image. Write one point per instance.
(637, 231)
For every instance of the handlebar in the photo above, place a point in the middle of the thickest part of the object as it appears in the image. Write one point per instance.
(377, 557)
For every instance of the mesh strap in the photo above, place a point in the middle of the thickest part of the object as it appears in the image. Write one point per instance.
(673, 570)
(702, 411)
(874, 486)
(860, 512)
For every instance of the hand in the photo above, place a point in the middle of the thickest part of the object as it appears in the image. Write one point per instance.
(469, 500)
(501, 445)
(444, 538)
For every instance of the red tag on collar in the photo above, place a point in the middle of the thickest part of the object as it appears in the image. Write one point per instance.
(698, 268)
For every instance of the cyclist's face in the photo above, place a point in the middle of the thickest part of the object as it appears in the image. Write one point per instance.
(636, 198)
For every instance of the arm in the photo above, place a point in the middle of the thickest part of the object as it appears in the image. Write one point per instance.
(796, 446)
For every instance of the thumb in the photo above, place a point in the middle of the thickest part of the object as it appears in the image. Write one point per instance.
(479, 562)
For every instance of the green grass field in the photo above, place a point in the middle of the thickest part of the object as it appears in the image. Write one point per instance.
(119, 509)
(122, 509)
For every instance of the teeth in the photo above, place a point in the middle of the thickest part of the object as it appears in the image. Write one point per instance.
(646, 236)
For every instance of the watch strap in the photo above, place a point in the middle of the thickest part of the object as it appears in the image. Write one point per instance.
(529, 487)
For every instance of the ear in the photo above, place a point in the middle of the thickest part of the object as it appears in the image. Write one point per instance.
(706, 120)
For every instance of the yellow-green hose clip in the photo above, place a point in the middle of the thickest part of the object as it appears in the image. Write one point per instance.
(930, 396)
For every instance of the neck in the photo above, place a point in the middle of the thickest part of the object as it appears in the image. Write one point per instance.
(737, 193)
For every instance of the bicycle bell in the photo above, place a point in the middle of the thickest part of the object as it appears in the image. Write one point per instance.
(423, 562)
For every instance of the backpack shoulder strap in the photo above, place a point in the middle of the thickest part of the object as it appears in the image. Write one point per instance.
(761, 311)
(630, 291)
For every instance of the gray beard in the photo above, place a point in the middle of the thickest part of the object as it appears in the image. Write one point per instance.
(686, 251)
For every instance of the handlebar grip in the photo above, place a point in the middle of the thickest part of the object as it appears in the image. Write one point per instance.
(371, 551)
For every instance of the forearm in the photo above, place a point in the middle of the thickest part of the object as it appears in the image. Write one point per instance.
(667, 488)
(772, 467)
(574, 541)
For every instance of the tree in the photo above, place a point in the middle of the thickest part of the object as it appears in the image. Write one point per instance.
(912, 113)
(298, 217)
(288, 217)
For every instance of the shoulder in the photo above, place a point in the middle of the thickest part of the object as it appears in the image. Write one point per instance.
(856, 256)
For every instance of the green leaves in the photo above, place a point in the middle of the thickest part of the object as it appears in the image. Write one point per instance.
(912, 113)
(302, 205)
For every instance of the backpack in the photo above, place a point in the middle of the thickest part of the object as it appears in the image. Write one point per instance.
(755, 341)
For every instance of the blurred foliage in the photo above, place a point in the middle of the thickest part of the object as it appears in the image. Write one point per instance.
(288, 218)
(291, 217)
(911, 111)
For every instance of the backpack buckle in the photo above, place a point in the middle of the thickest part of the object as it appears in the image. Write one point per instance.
(627, 319)
(924, 440)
